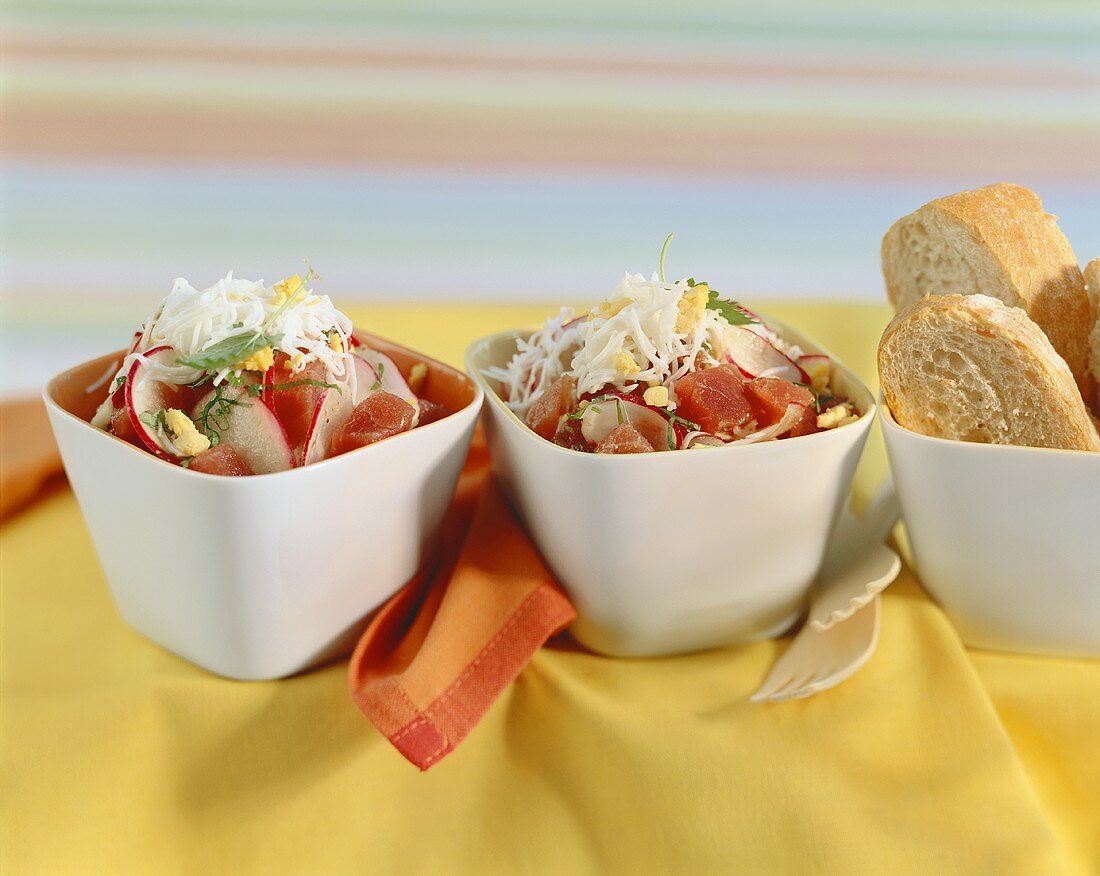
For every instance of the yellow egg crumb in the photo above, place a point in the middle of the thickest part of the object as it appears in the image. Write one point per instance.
(285, 289)
(189, 441)
(261, 360)
(656, 396)
(692, 306)
(625, 364)
(836, 416)
(335, 342)
(417, 375)
(294, 363)
(607, 309)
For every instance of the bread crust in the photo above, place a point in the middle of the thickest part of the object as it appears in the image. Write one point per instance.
(1092, 289)
(998, 241)
(969, 368)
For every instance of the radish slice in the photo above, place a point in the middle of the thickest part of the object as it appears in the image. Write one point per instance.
(268, 393)
(365, 378)
(599, 418)
(147, 396)
(792, 415)
(253, 431)
(333, 409)
(817, 368)
(755, 357)
(705, 439)
(388, 374)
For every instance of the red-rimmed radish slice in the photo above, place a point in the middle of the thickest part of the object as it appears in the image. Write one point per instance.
(755, 357)
(333, 409)
(137, 340)
(793, 415)
(147, 396)
(388, 374)
(365, 378)
(600, 417)
(253, 431)
(267, 394)
(817, 367)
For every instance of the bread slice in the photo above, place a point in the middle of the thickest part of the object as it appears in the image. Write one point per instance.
(995, 241)
(971, 369)
(1092, 288)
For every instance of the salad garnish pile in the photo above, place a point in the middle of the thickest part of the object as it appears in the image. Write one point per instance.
(244, 378)
(662, 365)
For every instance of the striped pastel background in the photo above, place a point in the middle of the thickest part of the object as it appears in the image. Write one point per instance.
(504, 151)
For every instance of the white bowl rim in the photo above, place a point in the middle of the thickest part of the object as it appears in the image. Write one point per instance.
(889, 424)
(475, 403)
(864, 421)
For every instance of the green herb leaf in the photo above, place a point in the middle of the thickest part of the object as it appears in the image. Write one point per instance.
(661, 258)
(731, 311)
(149, 419)
(186, 461)
(620, 411)
(119, 381)
(305, 381)
(229, 351)
(214, 418)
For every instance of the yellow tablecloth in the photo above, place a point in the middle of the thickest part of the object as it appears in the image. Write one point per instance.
(120, 758)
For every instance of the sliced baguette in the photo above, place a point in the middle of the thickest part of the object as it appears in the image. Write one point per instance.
(971, 369)
(1092, 287)
(995, 241)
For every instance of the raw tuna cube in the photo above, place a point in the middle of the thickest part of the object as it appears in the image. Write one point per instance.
(769, 398)
(624, 439)
(555, 402)
(221, 459)
(376, 417)
(714, 398)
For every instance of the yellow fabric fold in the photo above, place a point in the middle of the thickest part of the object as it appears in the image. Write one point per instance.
(118, 757)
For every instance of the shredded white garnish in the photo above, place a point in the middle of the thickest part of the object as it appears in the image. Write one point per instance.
(539, 361)
(191, 321)
(647, 332)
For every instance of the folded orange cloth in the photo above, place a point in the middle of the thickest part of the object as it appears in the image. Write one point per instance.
(440, 652)
(29, 461)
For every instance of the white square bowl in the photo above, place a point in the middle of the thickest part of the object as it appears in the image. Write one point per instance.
(1007, 539)
(672, 552)
(261, 577)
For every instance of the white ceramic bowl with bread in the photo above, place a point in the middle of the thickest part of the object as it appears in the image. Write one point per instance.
(994, 451)
(261, 577)
(671, 552)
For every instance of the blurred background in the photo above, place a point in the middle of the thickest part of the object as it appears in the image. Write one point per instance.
(508, 152)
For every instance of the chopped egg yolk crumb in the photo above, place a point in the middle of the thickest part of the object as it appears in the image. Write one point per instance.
(261, 360)
(417, 375)
(189, 441)
(285, 289)
(625, 364)
(657, 396)
(692, 306)
(607, 309)
(836, 416)
(294, 363)
(335, 342)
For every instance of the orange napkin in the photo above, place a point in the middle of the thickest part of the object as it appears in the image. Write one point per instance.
(440, 652)
(29, 462)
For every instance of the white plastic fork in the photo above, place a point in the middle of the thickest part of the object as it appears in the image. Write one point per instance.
(841, 631)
